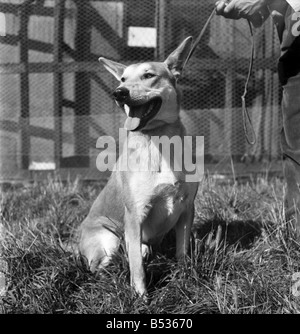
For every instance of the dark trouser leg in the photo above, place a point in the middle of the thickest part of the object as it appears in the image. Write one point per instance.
(291, 148)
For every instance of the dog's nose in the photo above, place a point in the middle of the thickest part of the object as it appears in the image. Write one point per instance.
(121, 94)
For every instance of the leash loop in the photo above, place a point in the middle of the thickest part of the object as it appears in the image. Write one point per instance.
(247, 122)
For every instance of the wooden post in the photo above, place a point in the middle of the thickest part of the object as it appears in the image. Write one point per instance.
(24, 82)
(82, 85)
(161, 28)
(59, 10)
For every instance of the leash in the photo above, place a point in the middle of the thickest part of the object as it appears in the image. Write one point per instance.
(197, 41)
(245, 113)
(247, 122)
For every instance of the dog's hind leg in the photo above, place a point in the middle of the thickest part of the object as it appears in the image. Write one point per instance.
(99, 241)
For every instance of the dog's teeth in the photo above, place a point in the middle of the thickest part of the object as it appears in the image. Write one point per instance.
(127, 109)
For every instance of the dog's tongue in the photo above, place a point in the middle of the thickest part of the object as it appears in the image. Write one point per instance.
(133, 119)
(132, 123)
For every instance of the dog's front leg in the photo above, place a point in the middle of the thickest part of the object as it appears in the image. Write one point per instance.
(183, 232)
(133, 239)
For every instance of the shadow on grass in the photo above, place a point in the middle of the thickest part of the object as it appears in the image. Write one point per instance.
(235, 234)
(238, 232)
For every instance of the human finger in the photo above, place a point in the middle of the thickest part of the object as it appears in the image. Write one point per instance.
(230, 10)
(220, 6)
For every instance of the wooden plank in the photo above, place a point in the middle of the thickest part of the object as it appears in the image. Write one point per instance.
(70, 174)
(49, 134)
(10, 8)
(99, 23)
(100, 83)
(9, 39)
(37, 10)
(34, 131)
(58, 79)
(40, 46)
(192, 69)
(218, 172)
(72, 53)
(68, 103)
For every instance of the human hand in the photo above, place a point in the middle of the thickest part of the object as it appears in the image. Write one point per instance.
(256, 11)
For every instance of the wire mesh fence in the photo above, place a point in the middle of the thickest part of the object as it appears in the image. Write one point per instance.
(56, 99)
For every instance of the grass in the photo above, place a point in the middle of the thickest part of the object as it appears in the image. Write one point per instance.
(242, 258)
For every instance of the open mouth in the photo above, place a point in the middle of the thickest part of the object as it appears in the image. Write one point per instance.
(139, 115)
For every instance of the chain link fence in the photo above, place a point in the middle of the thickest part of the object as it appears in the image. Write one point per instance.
(56, 99)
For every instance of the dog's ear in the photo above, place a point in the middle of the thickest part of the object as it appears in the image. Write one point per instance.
(177, 58)
(116, 69)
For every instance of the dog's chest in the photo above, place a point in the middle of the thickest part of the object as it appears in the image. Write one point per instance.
(153, 155)
(159, 200)
(151, 165)
(155, 184)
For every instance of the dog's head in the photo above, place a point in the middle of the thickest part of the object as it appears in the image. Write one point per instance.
(147, 92)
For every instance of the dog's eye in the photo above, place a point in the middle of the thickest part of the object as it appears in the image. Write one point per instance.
(122, 79)
(148, 75)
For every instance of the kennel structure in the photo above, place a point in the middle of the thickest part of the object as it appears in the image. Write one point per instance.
(55, 98)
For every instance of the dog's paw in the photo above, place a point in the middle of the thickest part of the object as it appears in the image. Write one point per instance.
(98, 248)
(140, 291)
(145, 251)
(98, 264)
